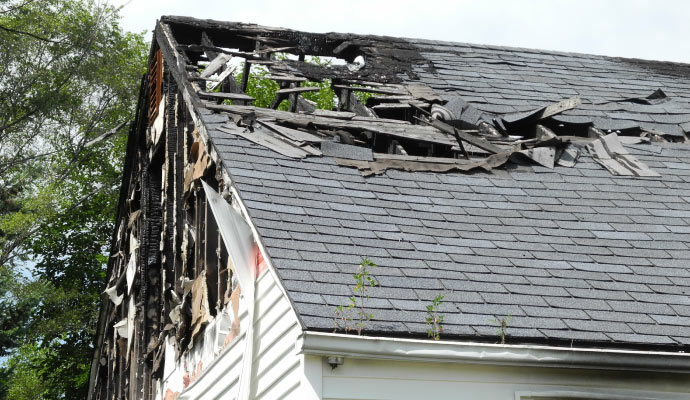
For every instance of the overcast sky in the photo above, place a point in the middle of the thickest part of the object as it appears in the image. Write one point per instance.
(650, 29)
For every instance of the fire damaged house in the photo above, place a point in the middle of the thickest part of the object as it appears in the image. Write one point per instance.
(464, 221)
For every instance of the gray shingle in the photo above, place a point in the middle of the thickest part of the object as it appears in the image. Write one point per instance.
(621, 235)
(295, 244)
(572, 253)
(536, 290)
(575, 335)
(619, 316)
(456, 296)
(580, 304)
(489, 309)
(597, 326)
(276, 208)
(549, 312)
(636, 307)
(643, 339)
(599, 294)
(665, 330)
(308, 266)
(661, 298)
(513, 299)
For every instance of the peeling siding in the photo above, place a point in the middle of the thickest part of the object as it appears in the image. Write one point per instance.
(276, 369)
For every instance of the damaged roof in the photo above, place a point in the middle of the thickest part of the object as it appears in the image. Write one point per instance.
(617, 93)
(587, 249)
(570, 253)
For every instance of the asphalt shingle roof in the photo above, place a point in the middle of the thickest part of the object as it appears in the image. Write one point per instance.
(505, 80)
(571, 254)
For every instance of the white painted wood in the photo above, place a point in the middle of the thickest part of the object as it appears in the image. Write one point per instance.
(276, 372)
(401, 380)
(286, 387)
(312, 377)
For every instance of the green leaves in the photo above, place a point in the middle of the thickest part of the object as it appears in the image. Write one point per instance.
(434, 320)
(502, 326)
(354, 316)
(264, 90)
(324, 98)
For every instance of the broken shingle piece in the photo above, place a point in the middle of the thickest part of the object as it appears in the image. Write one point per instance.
(608, 152)
(532, 117)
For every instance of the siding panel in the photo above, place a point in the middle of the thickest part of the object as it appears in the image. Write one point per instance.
(399, 380)
(276, 370)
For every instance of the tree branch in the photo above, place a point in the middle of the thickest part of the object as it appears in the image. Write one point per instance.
(17, 7)
(106, 135)
(18, 32)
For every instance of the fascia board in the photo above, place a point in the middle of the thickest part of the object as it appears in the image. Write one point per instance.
(386, 348)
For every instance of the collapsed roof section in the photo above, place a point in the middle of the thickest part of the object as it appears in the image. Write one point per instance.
(430, 106)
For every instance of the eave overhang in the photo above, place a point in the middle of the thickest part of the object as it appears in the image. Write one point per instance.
(417, 350)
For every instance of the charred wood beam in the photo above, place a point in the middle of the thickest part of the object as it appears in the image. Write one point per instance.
(247, 70)
(294, 90)
(359, 108)
(474, 140)
(277, 100)
(344, 97)
(228, 83)
(245, 76)
(381, 72)
(244, 36)
(286, 78)
(370, 90)
(385, 57)
(391, 128)
(208, 48)
(174, 62)
(227, 96)
(172, 131)
(179, 191)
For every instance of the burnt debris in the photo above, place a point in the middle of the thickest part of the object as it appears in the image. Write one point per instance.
(406, 123)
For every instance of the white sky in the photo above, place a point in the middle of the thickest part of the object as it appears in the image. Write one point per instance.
(650, 29)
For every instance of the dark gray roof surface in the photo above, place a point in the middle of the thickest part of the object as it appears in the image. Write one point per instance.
(572, 254)
(506, 80)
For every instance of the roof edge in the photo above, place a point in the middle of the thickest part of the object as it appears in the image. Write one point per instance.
(181, 19)
(365, 347)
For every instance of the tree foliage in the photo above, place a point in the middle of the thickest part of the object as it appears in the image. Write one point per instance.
(264, 90)
(69, 76)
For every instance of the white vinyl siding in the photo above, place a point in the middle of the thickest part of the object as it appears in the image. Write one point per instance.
(275, 370)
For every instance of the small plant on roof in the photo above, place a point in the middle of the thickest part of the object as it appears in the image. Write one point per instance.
(354, 315)
(434, 320)
(503, 326)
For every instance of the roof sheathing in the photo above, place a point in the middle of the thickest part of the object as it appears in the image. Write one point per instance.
(573, 254)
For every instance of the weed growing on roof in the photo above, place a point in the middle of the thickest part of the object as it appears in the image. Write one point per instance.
(434, 320)
(354, 315)
(503, 322)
